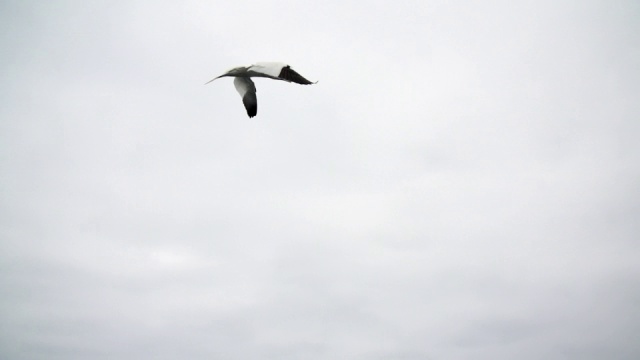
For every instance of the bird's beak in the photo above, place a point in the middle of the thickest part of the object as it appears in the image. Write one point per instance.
(215, 78)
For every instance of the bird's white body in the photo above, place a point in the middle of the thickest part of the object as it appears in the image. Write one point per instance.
(247, 89)
(267, 69)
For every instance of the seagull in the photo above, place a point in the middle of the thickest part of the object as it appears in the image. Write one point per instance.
(247, 89)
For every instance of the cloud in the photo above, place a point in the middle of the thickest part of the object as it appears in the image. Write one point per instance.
(461, 183)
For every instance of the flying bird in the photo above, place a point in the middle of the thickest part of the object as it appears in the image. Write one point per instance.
(247, 89)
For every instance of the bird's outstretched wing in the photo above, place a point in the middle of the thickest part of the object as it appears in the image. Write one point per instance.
(288, 74)
(247, 90)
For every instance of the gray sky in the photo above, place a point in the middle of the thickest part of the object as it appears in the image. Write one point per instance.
(462, 183)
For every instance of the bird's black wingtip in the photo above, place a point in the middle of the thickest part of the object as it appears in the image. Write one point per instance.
(252, 110)
(290, 75)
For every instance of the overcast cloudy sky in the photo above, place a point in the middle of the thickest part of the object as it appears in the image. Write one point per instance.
(462, 183)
